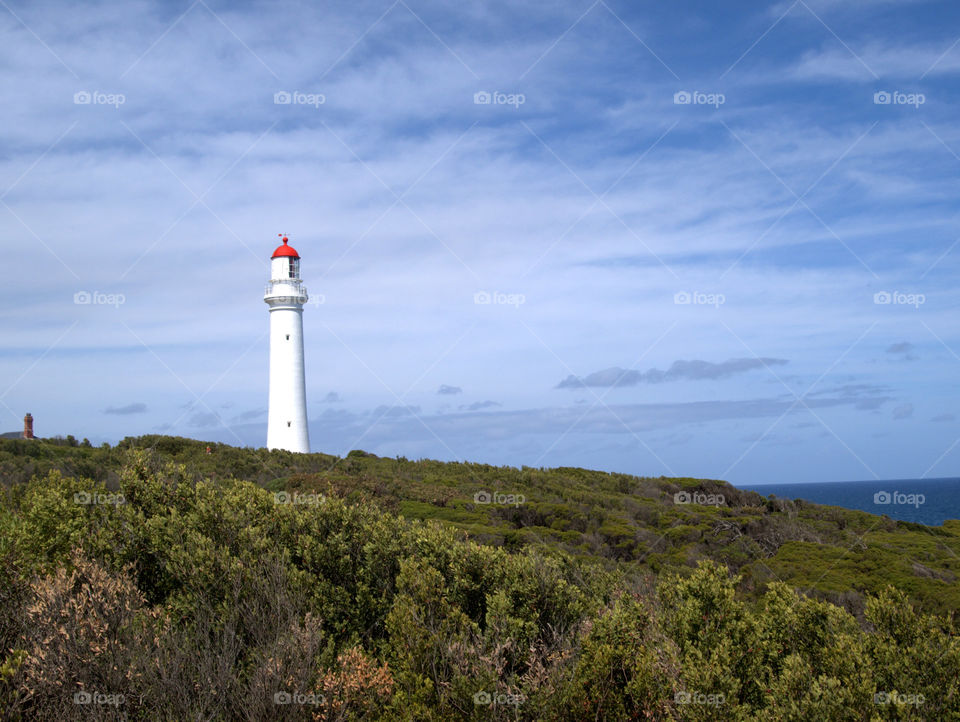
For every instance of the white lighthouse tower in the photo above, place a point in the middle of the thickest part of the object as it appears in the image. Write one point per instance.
(286, 294)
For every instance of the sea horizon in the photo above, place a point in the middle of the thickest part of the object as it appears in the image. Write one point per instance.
(923, 501)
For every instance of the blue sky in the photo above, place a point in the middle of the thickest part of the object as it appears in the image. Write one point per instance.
(717, 240)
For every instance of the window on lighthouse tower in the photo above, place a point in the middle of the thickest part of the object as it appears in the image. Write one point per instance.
(294, 268)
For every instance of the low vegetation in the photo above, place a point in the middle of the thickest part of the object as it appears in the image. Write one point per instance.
(162, 580)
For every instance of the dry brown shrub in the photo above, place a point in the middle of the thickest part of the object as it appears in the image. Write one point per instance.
(354, 691)
(87, 632)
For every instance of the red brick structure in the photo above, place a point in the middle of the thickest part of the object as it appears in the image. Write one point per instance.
(28, 426)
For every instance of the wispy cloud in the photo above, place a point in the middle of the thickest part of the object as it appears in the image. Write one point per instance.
(248, 416)
(205, 420)
(904, 411)
(134, 408)
(393, 412)
(678, 371)
(902, 350)
(480, 405)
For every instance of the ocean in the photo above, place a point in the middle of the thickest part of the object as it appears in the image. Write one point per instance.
(925, 501)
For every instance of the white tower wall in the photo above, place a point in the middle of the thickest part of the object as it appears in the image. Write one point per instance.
(287, 415)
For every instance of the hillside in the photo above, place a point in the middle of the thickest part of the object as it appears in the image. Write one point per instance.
(633, 524)
(166, 582)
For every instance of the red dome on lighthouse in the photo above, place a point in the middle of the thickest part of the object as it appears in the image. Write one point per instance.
(285, 249)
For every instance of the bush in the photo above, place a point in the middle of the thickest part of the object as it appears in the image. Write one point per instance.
(197, 598)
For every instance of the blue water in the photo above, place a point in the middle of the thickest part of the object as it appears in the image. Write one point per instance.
(925, 501)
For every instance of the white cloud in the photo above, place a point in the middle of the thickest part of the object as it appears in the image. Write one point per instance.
(492, 207)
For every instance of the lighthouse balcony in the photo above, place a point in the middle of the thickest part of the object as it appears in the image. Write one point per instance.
(285, 290)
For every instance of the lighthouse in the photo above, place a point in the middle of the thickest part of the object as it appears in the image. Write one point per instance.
(285, 295)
